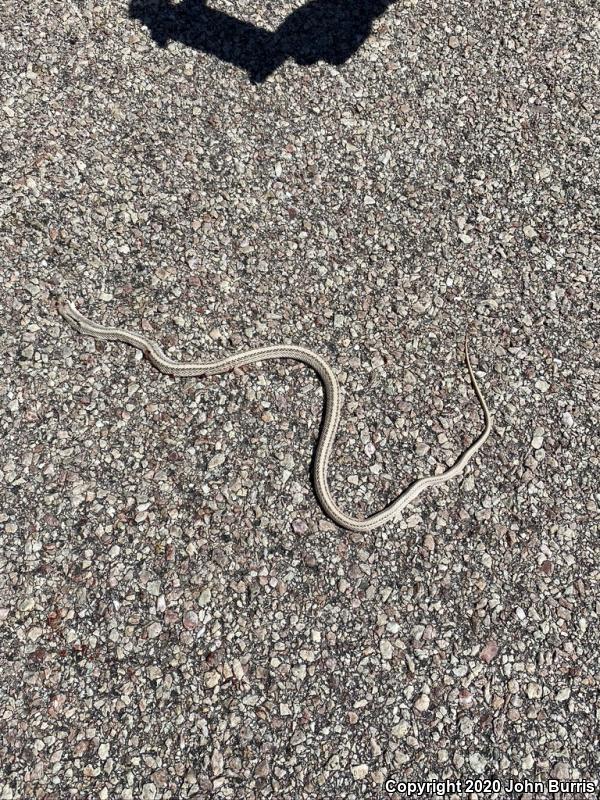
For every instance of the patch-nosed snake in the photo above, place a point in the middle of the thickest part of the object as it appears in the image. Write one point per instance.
(331, 416)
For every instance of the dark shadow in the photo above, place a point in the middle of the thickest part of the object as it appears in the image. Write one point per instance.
(320, 30)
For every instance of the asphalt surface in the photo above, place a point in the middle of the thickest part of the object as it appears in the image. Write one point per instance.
(178, 619)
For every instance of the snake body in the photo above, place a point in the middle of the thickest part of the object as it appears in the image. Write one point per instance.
(331, 416)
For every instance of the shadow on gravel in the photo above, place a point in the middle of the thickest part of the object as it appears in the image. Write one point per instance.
(320, 30)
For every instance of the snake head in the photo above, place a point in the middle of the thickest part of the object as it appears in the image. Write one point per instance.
(56, 300)
(60, 304)
(67, 312)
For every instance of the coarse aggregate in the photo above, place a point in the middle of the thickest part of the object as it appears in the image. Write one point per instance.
(178, 619)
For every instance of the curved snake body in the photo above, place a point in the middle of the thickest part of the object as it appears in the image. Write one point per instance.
(331, 416)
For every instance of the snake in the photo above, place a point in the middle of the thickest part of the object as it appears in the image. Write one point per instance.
(331, 412)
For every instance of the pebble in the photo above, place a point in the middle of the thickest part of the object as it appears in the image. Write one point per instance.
(211, 679)
(400, 730)
(527, 763)
(477, 763)
(534, 690)
(538, 439)
(154, 630)
(217, 762)
(567, 419)
(386, 649)
(561, 771)
(205, 597)
(216, 461)
(190, 620)
(465, 698)
(153, 588)
(360, 771)
(422, 702)
(489, 652)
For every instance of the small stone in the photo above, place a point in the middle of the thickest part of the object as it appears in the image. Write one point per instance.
(262, 769)
(386, 649)
(422, 702)
(527, 762)
(211, 678)
(26, 605)
(529, 232)
(299, 526)
(153, 588)
(465, 698)
(359, 771)
(190, 620)
(454, 42)
(489, 652)
(298, 737)
(400, 730)
(567, 419)
(204, 598)
(216, 762)
(238, 669)
(103, 751)
(299, 671)
(160, 778)
(534, 691)
(563, 694)
(154, 630)
(547, 567)
(216, 461)
(148, 791)
(561, 771)
(477, 762)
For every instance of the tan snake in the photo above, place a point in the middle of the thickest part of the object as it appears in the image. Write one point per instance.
(331, 416)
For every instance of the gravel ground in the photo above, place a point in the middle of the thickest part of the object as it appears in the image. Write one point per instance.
(178, 618)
